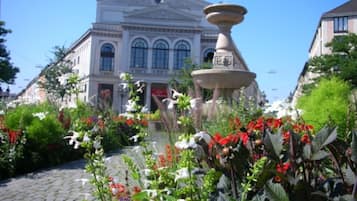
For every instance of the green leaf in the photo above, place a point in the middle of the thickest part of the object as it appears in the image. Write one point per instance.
(274, 143)
(354, 146)
(319, 155)
(275, 192)
(349, 175)
(307, 151)
(140, 196)
(324, 137)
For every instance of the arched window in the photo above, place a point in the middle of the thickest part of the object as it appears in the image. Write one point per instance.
(139, 53)
(160, 55)
(208, 55)
(182, 51)
(107, 57)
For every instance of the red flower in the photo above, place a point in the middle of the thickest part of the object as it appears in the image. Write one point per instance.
(282, 168)
(129, 122)
(136, 189)
(286, 136)
(277, 123)
(305, 139)
(13, 135)
(244, 138)
(277, 179)
(144, 122)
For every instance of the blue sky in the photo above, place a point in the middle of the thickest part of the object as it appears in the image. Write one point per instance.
(274, 37)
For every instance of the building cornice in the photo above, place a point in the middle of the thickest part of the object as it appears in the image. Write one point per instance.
(166, 29)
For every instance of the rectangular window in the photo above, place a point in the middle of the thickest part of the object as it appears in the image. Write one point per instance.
(340, 24)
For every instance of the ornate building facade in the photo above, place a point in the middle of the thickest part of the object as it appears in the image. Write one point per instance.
(151, 39)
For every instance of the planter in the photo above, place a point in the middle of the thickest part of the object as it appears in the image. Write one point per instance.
(156, 126)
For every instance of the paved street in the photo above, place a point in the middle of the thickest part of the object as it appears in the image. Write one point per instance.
(65, 182)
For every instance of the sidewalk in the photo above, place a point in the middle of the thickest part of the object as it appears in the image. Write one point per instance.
(68, 181)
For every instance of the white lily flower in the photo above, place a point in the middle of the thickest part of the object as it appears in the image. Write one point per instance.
(97, 144)
(130, 106)
(145, 109)
(171, 103)
(194, 102)
(186, 143)
(134, 138)
(86, 138)
(74, 139)
(124, 86)
(203, 135)
(147, 172)
(122, 76)
(182, 173)
(175, 94)
(40, 115)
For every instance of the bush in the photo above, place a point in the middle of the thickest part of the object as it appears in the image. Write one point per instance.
(327, 103)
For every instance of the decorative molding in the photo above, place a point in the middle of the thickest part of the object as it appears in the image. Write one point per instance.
(163, 29)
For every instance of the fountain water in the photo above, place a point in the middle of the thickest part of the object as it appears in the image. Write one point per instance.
(227, 73)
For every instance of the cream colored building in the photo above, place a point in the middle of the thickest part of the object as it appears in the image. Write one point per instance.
(150, 39)
(338, 21)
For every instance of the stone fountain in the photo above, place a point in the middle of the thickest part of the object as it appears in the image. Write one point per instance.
(227, 73)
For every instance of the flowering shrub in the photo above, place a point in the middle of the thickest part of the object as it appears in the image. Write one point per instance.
(11, 150)
(242, 157)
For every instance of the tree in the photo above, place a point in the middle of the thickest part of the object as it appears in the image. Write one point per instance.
(327, 103)
(59, 79)
(342, 62)
(7, 70)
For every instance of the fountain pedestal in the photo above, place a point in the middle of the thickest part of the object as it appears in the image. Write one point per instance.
(225, 74)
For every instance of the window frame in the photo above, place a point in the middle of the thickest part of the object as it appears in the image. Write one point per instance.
(181, 54)
(160, 54)
(340, 24)
(107, 58)
(139, 54)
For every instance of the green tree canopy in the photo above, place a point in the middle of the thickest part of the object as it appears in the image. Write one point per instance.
(7, 70)
(327, 103)
(342, 62)
(59, 77)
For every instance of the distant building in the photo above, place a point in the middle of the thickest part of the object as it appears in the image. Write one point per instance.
(150, 39)
(338, 21)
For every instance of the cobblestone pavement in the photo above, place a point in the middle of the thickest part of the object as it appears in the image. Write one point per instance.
(65, 182)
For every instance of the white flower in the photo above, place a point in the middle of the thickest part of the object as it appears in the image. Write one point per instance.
(134, 138)
(74, 139)
(125, 76)
(2, 112)
(147, 172)
(40, 115)
(171, 103)
(96, 144)
(151, 193)
(127, 115)
(175, 94)
(145, 109)
(86, 138)
(182, 173)
(122, 76)
(186, 143)
(203, 135)
(130, 106)
(124, 86)
(194, 102)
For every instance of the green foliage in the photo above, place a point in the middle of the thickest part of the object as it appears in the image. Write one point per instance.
(275, 192)
(7, 70)
(46, 131)
(342, 62)
(59, 77)
(327, 104)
